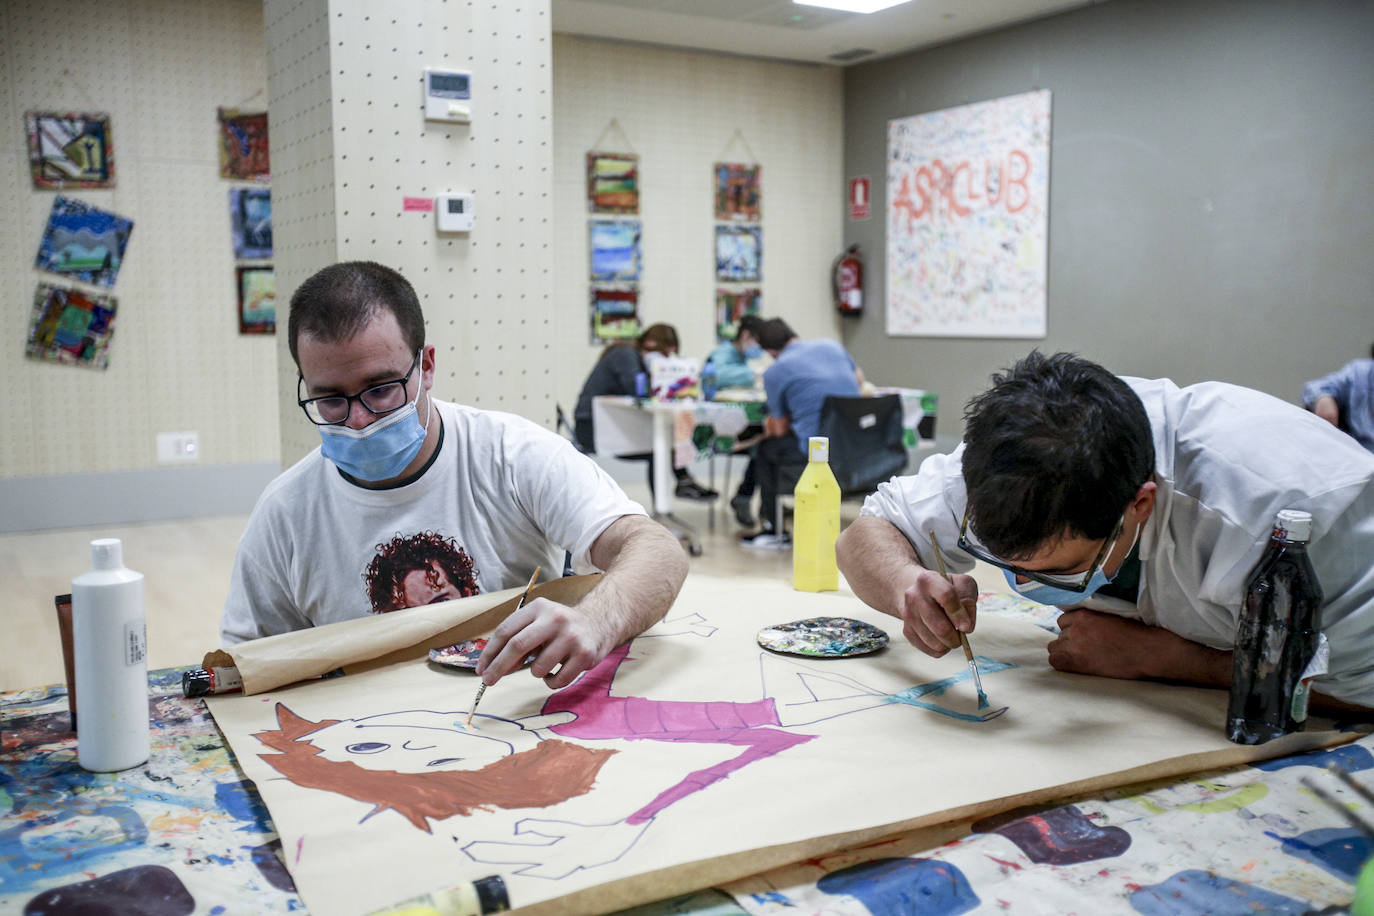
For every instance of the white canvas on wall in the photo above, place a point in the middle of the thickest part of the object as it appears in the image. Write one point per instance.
(967, 219)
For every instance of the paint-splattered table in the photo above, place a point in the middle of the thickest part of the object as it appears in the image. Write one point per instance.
(187, 834)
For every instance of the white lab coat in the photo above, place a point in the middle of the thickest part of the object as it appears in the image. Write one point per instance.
(1227, 459)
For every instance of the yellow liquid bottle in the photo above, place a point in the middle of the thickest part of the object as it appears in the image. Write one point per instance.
(816, 523)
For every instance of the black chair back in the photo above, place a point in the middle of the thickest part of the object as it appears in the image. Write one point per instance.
(866, 444)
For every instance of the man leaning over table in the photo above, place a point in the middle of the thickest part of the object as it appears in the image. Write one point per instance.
(396, 462)
(1141, 506)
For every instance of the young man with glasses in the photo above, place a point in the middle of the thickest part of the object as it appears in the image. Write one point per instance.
(395, 462)
(1142, 505)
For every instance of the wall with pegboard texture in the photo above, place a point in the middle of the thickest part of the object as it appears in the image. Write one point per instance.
(160, 69)
(487, 294)
(679, 112)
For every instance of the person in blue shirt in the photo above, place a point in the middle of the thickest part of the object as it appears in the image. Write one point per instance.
(1345, 399)
(730, 362)
(804, 373)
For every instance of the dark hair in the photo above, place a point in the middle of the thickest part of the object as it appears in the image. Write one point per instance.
(660, 337)
(774, 334)
(750, 324)
(386, 574)
(339, 301)
(1057, 447)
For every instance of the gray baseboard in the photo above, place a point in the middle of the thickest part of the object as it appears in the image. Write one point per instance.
(157, 494)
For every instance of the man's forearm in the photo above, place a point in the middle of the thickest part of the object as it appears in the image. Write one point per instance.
(877, 562)
(644, 569)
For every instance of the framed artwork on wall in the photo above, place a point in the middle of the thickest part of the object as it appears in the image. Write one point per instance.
(83, 242)
(614, 314)
(739, 254)
(70, 326)
(614, 249)
(731, 306)
(70, 150)
(257, 290)
(250, 215)
(243, 152)
(739, 194)
(612, 183)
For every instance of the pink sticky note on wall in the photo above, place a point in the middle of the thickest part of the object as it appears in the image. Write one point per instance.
(417, 204)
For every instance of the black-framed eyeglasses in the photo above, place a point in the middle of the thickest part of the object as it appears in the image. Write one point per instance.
(1073, 582)
(333, 409)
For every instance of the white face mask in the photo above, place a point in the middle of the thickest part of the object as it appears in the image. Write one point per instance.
(652, 358)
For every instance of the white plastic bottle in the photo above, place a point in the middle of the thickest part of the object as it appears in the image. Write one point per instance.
(109, 637)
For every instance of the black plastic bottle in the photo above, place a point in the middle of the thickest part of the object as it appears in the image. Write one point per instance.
(1276, 637)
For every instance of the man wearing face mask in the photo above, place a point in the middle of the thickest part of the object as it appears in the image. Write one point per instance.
(395, 462)
(1141, 506)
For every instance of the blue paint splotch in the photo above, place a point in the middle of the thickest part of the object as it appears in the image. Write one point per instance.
(242, 801)
(898, 887)
(912, 695)
(1351, 757)
(1339, 850)
(269, 862)
(1064, 836)
(1200, 893)
(149, 890)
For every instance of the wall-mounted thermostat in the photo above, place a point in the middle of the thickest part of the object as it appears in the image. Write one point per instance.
(453, 212)
(448, 95)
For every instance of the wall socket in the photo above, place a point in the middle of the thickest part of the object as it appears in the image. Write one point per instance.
(178, 448)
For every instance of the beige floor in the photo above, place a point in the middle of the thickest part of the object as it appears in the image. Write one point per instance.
(186, 567)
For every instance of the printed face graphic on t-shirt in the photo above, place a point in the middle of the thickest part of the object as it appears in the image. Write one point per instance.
(420, 569)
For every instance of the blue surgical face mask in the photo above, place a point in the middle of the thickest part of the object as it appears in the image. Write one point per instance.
(382, 449)
(753, 352)
(1048, 594)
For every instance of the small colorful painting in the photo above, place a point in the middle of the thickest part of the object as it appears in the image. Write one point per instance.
(70, 150)
(72, 327)
(243, 150)
(738, 194)
(250, 213)
(612, 183)
(83, 242)
(731, 306)
(739, 254)
(615, 250)
(614, 314)
(257, 300)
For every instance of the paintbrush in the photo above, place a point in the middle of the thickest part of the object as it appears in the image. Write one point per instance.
(963, 640)
(482, 688)
(1351, 818)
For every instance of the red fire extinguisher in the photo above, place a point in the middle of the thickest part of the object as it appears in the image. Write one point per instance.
(847, 282)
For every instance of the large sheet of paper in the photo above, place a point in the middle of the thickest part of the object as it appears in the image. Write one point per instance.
(689, 757)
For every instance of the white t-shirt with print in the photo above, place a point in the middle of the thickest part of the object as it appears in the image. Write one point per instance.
(507, 493)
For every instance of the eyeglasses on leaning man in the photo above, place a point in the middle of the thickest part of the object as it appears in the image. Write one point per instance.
(1043, 587)
(333, 410)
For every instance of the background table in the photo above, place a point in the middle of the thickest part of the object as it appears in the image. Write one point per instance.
(186, 833)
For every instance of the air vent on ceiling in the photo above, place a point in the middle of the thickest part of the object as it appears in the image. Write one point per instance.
(851, 54)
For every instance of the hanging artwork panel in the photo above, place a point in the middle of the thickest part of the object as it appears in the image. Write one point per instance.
(614, 250)
(243, 152)
(70, 326)
(614, 314)
(612, 183)
(739, 196)
(250, 214)
(731, 306)
(968, 219)
(70, 150)
(257, 289)
(739, 254)
(83, 242)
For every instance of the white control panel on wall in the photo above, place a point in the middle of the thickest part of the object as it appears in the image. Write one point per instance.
(453, 212)
(448, 95)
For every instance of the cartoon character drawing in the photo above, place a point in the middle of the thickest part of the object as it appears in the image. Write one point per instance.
(421, 569)
(426, 766)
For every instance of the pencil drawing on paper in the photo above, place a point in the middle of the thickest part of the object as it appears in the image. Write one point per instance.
(427, 767)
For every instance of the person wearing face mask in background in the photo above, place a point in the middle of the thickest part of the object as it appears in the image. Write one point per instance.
(395, 462)
(731, 363)
(1141, 506)
(614, 374)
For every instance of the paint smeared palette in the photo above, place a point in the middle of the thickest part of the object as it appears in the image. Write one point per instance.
(463, 654)
(823, 637)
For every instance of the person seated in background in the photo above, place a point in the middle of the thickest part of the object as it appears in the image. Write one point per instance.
(614, 374)
(1345, 399)
(730, 362)
(1141, 506)
(410, 500)
(804, 373)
